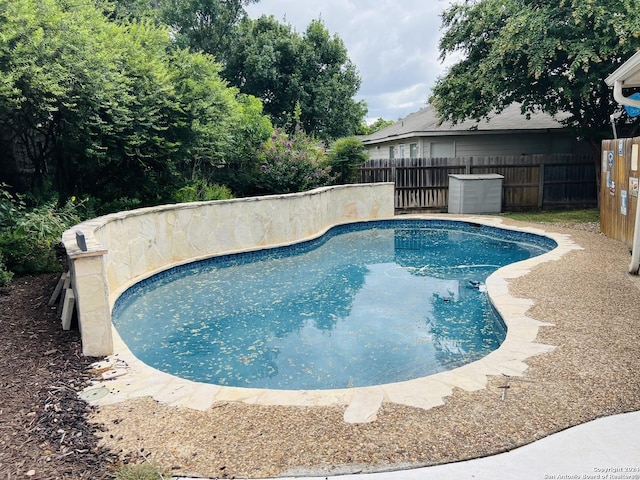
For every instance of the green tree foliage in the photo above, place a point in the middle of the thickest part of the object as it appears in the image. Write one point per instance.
(203, 25)
(329, 83)
(134, 10)
(271, 61)
(262, 62)
(113, 110)
(292, 163)
(124, 136)
(346, 156)
(207, 122)
(37, 85)
(549, 56)
(251, 128)
(378, 125)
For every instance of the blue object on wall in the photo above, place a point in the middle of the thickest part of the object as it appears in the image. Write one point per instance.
(633, 111)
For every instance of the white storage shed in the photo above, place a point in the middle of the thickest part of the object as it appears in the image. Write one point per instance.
(475, 193)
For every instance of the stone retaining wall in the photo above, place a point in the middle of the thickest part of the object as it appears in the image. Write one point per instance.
(126, 247)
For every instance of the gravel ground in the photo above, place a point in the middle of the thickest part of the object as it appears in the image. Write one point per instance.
(592, 373)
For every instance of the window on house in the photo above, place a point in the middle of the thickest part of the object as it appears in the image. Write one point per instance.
(392, 152)
(442, 150)
(413, 150)
(401, 150)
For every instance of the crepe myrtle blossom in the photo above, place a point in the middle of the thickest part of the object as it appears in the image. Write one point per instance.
(293, 163)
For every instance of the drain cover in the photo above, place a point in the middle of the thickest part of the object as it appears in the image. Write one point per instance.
(94, 394)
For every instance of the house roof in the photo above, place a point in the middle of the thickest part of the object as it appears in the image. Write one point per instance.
(425, 123)
(628, 73)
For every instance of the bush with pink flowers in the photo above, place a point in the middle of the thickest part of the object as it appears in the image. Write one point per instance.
(292, 163)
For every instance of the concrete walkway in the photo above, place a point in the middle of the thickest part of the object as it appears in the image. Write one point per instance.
(606, 449)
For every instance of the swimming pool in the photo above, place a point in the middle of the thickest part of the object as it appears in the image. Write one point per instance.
(365, 304)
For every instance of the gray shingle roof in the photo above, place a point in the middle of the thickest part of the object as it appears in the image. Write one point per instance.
(628, 73)
(424, 123)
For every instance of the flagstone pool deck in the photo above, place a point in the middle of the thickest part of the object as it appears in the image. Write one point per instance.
(571, 355)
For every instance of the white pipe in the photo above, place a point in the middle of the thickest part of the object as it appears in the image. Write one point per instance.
(621, 99)
(634, 266)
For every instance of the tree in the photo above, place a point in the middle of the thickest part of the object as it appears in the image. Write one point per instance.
(113, 110)
(205, 123)
(329, 82)
(203, 25)
(549, 56)
(134, 10)
(271, 61)
(125, 140)
(262, 61)
(241, 163)
(376, 126)
(54, 71)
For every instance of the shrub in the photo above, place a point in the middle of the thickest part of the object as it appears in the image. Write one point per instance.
(10, 208)
(292, 163)
(5, 275)
(97, 207)
(201, 191)
(45, 223)
(345, 158)
(23, 254)
(28, 236)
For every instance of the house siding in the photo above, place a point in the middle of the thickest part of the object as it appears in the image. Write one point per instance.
(519, 144)
(531, 143)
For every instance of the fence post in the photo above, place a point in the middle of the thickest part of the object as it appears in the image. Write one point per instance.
(468, 163)
(541, 185)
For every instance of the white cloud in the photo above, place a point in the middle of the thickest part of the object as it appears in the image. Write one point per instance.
(394, 45)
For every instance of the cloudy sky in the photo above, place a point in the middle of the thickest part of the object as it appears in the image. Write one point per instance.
(393, 43)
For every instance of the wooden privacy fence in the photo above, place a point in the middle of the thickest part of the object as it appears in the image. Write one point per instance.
(530, 182)
(619, 188)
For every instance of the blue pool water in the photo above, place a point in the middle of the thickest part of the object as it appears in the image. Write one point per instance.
(365, 304)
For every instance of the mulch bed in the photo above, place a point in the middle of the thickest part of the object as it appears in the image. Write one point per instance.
(44, 433)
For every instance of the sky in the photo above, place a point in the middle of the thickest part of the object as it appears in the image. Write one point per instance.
(393, 43)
